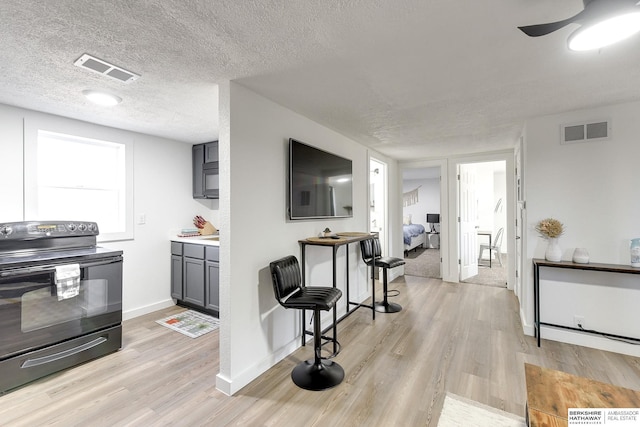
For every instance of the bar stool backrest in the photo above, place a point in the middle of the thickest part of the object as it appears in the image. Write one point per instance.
(370, 249)
(286, 277)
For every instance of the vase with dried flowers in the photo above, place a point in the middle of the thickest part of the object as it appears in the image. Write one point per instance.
(551, 229)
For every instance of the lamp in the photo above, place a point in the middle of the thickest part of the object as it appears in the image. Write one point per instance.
(102, 98)
(433, 219)
(597, 34)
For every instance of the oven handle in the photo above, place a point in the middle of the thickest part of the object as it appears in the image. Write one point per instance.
(29, 363)
(43, 268)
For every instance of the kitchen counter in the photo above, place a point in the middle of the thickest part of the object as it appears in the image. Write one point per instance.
(211, 240)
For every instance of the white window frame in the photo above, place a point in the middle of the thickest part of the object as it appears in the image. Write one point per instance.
(60, 125)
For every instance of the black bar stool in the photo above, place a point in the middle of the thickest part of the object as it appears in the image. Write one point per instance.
(316, 373)
(372, 256)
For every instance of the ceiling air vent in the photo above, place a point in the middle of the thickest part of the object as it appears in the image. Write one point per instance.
(597, 130)
(99, 66)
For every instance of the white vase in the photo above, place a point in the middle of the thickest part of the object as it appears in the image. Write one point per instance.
(581, 256)
(553, 252)
(635, 252)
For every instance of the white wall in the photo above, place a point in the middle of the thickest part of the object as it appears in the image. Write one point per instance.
(255, 331)
(592, 188)
(428, 200)
(162, 191)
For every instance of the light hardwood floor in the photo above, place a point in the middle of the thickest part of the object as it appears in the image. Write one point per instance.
(459, 338)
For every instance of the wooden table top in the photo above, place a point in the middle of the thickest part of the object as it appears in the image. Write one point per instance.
(595, 266)
(343, 237)
(551, 393)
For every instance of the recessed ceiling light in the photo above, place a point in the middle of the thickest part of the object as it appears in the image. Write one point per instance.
(102, 98)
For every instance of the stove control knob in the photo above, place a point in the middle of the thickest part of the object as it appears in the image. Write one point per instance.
(5, 231)
(82, 227)
(72, 227)
(91, 227)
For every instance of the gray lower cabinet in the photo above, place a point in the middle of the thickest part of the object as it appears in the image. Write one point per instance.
(212, 279)
(195, 276)
(176, 270)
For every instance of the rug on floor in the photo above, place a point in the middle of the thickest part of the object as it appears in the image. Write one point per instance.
(190, 323)
(458, 411)
(422, 263)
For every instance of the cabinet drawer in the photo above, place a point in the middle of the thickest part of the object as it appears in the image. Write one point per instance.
(176, 248)
(212, 253)
(193, 251)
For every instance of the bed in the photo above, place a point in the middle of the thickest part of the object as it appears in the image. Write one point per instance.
(414, 236)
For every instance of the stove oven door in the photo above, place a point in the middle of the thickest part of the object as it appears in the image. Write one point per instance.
(34, 314)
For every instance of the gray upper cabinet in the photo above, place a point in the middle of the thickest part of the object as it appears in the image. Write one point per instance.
(206, 171)
(211, 152)
(198, 163)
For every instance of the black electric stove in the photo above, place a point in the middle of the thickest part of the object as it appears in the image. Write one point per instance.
(60, 298)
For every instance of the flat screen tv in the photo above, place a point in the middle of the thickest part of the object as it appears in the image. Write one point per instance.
(320, 183)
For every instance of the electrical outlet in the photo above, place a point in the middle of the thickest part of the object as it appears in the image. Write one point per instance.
(142, 219)
(578, 322)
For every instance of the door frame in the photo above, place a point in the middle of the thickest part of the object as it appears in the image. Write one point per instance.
(510, 204)
(382, 206)
(444, 204)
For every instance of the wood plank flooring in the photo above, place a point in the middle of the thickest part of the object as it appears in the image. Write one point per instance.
(462, 338)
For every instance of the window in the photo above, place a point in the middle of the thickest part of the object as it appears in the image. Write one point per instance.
(76, 178)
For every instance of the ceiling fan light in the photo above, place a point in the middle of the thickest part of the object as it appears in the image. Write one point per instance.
(102, 98)
(606, 32)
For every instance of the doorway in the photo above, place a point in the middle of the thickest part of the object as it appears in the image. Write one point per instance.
(421, 223)
(378, 200)
(482, 195)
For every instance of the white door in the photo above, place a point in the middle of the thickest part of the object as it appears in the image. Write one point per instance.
(468, 214)
(378, 201)
(520, 220)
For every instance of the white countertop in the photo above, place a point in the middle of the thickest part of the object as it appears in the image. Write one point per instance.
(198, 240)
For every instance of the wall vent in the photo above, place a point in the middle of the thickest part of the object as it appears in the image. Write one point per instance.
(593, 130)
(99, 66)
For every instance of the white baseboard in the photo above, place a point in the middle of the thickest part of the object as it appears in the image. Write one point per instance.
(231, 386)
(140, 311)
(527, 329)
(588, 340)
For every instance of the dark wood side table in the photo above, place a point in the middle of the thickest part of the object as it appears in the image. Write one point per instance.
(538, 263)
(551, 393)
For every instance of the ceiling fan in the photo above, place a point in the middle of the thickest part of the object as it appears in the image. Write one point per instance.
(602, 22)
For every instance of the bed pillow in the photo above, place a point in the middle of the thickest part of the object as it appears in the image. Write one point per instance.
(406, 220)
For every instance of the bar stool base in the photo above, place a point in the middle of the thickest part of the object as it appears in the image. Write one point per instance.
(387, 307)
(311, 376)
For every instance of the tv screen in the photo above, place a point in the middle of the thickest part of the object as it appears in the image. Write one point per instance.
(320, 183)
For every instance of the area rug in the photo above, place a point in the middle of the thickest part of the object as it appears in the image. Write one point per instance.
(422, 263)
(494, 276)
(190, 323)
(458, 411)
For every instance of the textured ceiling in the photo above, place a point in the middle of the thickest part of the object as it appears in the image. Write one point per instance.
(409, 78)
